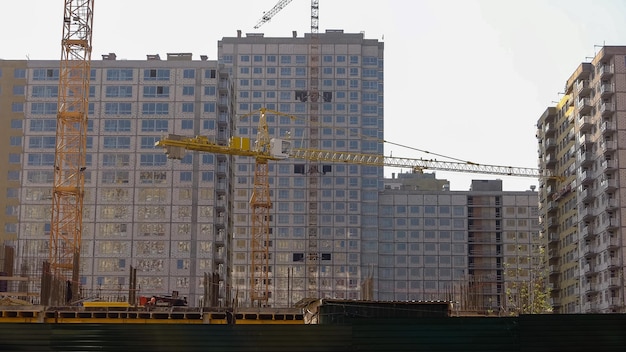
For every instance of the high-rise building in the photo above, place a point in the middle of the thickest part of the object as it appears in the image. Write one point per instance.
(480, 248)
(581, 207)
(165, 218)
(322, 214)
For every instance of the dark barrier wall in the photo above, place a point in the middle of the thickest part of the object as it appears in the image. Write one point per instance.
(527, 333)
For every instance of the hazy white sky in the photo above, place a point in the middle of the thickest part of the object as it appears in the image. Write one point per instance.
(463, 78)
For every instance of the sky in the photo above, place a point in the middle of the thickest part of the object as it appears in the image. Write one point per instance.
(465, 79)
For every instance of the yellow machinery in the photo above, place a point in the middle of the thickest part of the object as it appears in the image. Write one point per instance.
(266, 148)
(71, 142)
(313, 178)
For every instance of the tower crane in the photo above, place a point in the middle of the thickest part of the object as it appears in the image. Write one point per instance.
(265, 149)
(71, 142)
(313, 176)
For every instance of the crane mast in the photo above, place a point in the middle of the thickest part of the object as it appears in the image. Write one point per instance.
(71, 142)
(313, 171)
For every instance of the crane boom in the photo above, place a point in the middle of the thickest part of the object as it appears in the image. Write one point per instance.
(267, 16)
(202, 144)
(71, 142)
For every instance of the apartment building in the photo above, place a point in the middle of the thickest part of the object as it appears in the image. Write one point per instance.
(12, 97)
(580, 143)
(165, 218)
(322, 213)
(475, 247)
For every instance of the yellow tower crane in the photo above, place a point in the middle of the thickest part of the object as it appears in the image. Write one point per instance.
(313, 176)
(71, 143)
(266, 148)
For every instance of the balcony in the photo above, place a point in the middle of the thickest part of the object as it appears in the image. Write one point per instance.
(550, 160)
(589, 288)
(614, 242)
(611, 204)
(608, 127)
(586, 232)
(589, 250)
(612, 225)
(584, 158)
(608, 146)
(607, 89)
(553, 222)
(583, 105)
(585, 139)
(548, 128)
(554, 270)
(609, 165)
(584, 195)
(614, 282)
(553, 237)
(613, 262)
(590, 307)
(549, 144)
(608, 185)
(583, 88)
(584, 177)
(607, 109)
(589, 270)
(604, 71)
(586, 214)
(584, 123)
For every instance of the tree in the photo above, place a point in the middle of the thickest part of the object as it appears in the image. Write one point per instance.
(526, 286)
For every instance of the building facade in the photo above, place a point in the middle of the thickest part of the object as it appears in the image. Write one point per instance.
(475, 247)
(165, 218)
(581, 145)
(321, 214)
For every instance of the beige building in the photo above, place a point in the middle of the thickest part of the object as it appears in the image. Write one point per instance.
(12, 102)
(582, 141)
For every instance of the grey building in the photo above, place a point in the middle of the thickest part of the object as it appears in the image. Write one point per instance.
(474, 247)
(164, 218)
(580, 142)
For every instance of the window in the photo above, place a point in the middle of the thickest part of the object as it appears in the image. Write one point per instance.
(14, 158)
(153, 159)
(154, 125)
(119, 91)
(209, 107)
(189, 73)
(119, 74)
(148, 142)
(17, 107)
(118, 142)
(16, 124)
(15, 141)
(46, 74)
(185, 176)
(156, 74)
(187, 107)
(117, 125)
(43, 108)
(117, 108)
(18, 90)
(212, 73)
(19, 73)
(156, 91)
(41, 159)
(43, 125)
(188, 90)
(187, 124)
(155, 108)
(285, 59)
(209, 90)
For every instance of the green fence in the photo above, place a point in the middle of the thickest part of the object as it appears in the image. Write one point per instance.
(526, 333)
